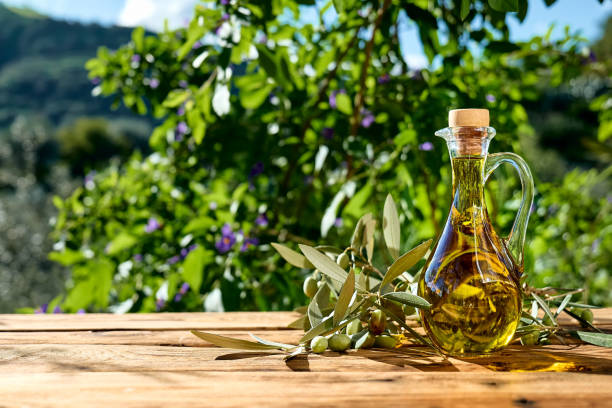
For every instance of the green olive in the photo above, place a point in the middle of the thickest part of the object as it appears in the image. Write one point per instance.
(587, 314)
(310, 286)
(353, 327)
(339, 342)
(530, 339)
(385, 341)
(318, 344)
(343, 260)
(365, 341)
(377, 321)
(317, 275)
(409, 310)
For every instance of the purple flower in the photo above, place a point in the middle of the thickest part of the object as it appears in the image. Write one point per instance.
(138, 257)
(368, 118)
(81, 311)
(173, 260)
(224, 2)
(257, 169)
(426, 147)
(159, 304)
(89, 177)
(338, 222)
(328, 133)
(490, 98)
(178, 297)
(212, 206)
(263, 39)
(184, 288)
(227, 241)
(248, 243)
(332, 97)
(184, 252)
(383, 79)
(183, 83)
(154, 83)
(196, 44)
(95, 80)
(57, 310)
(192, 247)
(181, 110)
(136, 58)
(180, 130)
(41, 309)
(261, 220)
(152, 225)
(592, 56)
(225, 17)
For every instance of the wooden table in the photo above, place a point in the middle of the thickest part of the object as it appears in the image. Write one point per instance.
(152, 360)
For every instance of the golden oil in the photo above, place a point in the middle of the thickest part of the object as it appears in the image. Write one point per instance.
(470, 278)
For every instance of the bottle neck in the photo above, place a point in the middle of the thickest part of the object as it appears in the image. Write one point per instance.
(468, 185)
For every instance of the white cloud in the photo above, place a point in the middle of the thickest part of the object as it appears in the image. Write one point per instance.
(152, 13)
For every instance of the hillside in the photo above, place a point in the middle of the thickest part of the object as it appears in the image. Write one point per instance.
(42, 66)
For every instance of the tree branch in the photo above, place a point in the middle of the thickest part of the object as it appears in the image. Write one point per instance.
(364, 69)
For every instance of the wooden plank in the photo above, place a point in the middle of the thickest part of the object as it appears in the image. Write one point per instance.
(281, 389)
(185, 321)
(147, 321)
(36, 358)
(140, 337)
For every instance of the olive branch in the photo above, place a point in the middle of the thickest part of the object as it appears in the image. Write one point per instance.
(356, 305)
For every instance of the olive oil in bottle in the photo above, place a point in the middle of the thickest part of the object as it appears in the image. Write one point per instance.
(472, 276)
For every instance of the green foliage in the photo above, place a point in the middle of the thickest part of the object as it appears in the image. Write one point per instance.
(297, 121)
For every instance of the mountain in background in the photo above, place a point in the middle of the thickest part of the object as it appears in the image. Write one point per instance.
(42, 66)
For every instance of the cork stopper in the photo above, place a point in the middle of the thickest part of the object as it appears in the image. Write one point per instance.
(468, 117)
(469, 130)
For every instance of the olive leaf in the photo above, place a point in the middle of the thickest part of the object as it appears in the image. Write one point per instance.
(318, 302)
(598, 339)
(325, 265)
(344, 299)
(583, 322)
(368, 237)
(544, 307)
(391, 227)
(408, 299)
(298, 323)
(404, 262)
(402, 322)
(295, 353)
(228, 342)
(292, 257)
(329, 249)
(272, 343)
(327, 324)
(358, 233)
(564, 303)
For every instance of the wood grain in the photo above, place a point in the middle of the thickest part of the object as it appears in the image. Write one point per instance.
(36, 358)
(147, 321)
(279, 389)
(152, 360)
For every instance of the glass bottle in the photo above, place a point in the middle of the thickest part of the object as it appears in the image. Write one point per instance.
(472, 275)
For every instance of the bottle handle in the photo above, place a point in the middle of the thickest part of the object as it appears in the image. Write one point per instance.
(516, 239)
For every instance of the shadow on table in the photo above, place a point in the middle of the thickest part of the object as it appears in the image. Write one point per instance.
(511, 359)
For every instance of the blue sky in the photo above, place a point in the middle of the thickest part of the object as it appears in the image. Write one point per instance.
(584, 15)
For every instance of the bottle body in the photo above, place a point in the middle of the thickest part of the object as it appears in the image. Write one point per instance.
(470, 279)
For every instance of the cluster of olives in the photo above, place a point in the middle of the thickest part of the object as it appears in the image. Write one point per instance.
(533, 338)
(356, 336)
